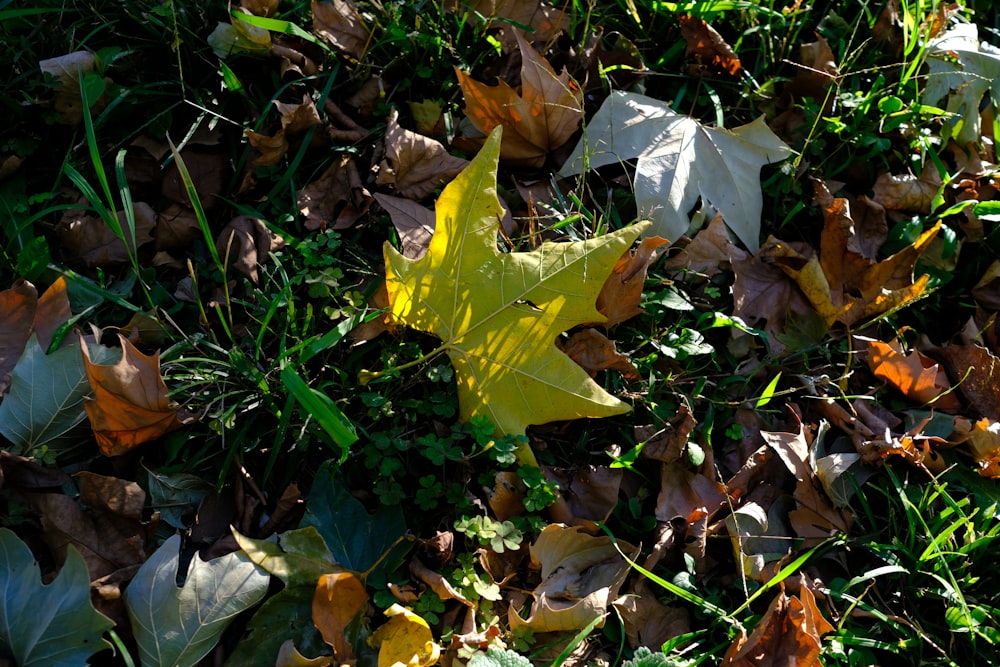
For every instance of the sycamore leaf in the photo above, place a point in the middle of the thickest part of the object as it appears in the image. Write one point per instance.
(53, 625)
(339, 598)
(130, 405)
(680, 161)
(619, 298)
(984, 441)
(405, 640)
(544, 20)
(498, 314)
(540, 119)
(180, 625)
(917, 376)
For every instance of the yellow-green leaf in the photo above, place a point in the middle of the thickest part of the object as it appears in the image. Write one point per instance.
(499, 314)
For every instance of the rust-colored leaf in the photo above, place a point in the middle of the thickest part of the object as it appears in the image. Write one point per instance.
(595, 352)
(339, 598)
(706, 50)
(414, 164)
(538, 119)
(619, 298)
(909, 192)
(917, 376)
(130, 404)
(22, 313)
(788, 634)
(337, 199)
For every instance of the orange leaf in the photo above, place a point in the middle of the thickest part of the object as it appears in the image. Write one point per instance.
(130, 404)
(22, 312)
(594, 352)
(788, 634)
(540, 119)
(984, 440)
(338, 600)
(622, 291)
(706, 50)
(917, 376)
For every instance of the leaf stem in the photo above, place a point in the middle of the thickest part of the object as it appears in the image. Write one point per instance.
(366, 376)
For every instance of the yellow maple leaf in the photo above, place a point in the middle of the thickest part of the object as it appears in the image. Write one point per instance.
(498, 314)
(540, 119)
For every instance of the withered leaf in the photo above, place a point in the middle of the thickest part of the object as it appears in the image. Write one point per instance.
(339, 24)
(544, 20)
(595, 352)
(416, 165)
(247, 241)
(339, 598)
(706, 49)
(917, 376)
(337, 199)
(539, 119)
(908, 193)
(90, 240)
(619, 298)
(130, 405)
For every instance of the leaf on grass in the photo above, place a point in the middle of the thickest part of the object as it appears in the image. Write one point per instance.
(707, 52)
(414, 164)
(46, 398)
(498, 314)
(339, 598)
(176, 494)
(337, 199)
(917, 376)
(536, 121)
(23, 313)
(843, 284)
(413, 223)
(289, 656)
(680, 161)
(131, 403)
(984, 441)
(246, 242)
(976, 372)
(595, 352)
(180, 625)
(908, 192)
(619, 298)
(339, 24)
(299, 558)
(789, 633)
(52, 625)
(581, 575)
(89, 239)
(405, 639)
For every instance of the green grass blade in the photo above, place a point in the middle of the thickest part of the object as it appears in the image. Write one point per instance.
(322, 407)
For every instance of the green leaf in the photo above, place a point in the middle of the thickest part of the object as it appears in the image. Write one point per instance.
(497, 657)
(297, 557)
(45, 399)
(768, 394)
(679, 161)
(498, 314)
(356, 538)
(179, 626)
(52, 625)
(646, 658)
(322, 407)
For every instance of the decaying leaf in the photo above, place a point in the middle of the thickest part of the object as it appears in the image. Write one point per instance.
(539, 119)
(413, 223)
(619, 298)
(595, 352)
(580, 574)
(131, 403)
(484, 305)
(337, 199)
(405, 639)
(919, 377)
(680, 161)
(908, 193)
(339, 598)
(239, 38)
(544, 20)
(976, 372)
(706, 50)
(788, 634)
(843, 284)
(984, 441)
(339, 24)
(91, 241)
(67, 71)
(246, 242)
(414, 164)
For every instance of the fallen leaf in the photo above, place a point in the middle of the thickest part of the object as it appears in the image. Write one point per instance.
(414, 164)
(755, 543)
(917, 376)
(611, 59)
(436, 582)
(908, 193)
(338, 23)
(976, 372)
(413, 222)
(339, 598)
(91, 242)
(246, 242)
(131, 403)
(984, 441)
(619, 298)
(176, 227)
(647, 621)
(544, 20)
(270, 149)
(580, 574)
(297, 118)
(484, 304)
(789, 633)
(707, 51)
(337, 199)
(680, 161)
(405, 639)
(289, 656)
(239, 38)
(708, 252)
(590, 493)
(18, 305)
(595, 352)
(536, 121)
(67, 71)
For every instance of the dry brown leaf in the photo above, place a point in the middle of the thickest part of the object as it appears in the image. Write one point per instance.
(130, 404)
(297, 118)
(984, 441)
(987, 290)
(580, 574)
(89, 240)
(25, 473)
(414, 224)
(842, 284)
(545, 21)
(595, 352)
(414, 164)
(66, 70)
(339, 24)
(339, 598)
(289, 656)
(788, 634)
(246, 242)
(506, 498)
(260, 7)
(707, 52)
(536, 121)
(436, 582)
(337, 199)
(208, 170)
(762, 293)
(917, 376)
(908, 193)
(612, 59)
(976, 372)
(176, 227)
(619, 298)
(270, 149)
(590, 494)
(709, 251)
